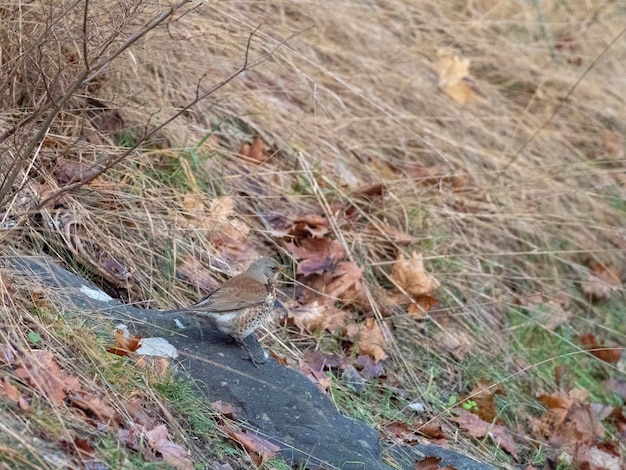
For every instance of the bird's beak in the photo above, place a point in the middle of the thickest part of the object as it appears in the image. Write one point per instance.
(282, 268)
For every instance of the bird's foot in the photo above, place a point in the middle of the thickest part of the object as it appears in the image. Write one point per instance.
(254, 352)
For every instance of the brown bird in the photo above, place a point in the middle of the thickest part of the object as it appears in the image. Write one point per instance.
(241, 304)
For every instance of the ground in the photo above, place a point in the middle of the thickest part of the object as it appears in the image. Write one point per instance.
(445, 182)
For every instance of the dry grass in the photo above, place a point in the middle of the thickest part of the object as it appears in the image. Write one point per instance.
(526, 195)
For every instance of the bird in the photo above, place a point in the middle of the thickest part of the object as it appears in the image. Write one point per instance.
(241, 304)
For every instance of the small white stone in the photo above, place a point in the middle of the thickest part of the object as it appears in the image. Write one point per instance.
(95, 294)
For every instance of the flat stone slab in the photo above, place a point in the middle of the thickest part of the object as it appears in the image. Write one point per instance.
(281, 404)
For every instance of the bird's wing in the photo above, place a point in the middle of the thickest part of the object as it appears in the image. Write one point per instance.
(232, 295)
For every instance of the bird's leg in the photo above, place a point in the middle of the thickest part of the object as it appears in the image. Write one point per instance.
(257, 357)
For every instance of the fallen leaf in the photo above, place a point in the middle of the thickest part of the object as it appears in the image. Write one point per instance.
(255, 152)
(124, 343)
(368, 338)
(402, 431)
(353, 379)
(320, 361)
(316, 255)
(601, 282)
(482, 394)
(472, 423)
(613, 145)
(309, 225)
(411, 276)
(314, 363)
(368, 368)
(95, 404)
(319, 315)
(612, 355)
(346, 284)
(593, 458)
(177, 456)
(134, 409)
(318, 377)
(84, 447)
(7, 389)
(454, 342)
(224, 408)
(430, 463)
(453, 72)
(42, 372)
(569, 419)
(503, 439)
(263, 448)
(419, 307)
(477, 428)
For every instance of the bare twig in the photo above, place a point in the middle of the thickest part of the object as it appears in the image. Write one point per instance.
(86, 36)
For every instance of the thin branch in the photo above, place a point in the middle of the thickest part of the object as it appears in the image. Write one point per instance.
(86, 35)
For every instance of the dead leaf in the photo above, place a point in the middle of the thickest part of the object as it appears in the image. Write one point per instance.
(402, 431)
(135, 410)
(311, 317)
(320, 361)
(318, 377)
(262, 448)
(368, 338)
(453, 72)
(503, 439)
(314, 363)
(224, 408)
(430, 463)
(85, 450)
(316, 255)
(613, 145)
(346, 284)
(411, 276)
(351, 377)
(477, 428)
(569, 419)
(309, 225)
(612, 355)
(419, 307)
(177, 456)
(452, 341)
(42, 372)
(483, 393)
(255, 153)
(368, 368)
(602, 282)
(593, 458)
(95, 404)
(7, 389)
(124, 343)
(474, 426)
(234, 249)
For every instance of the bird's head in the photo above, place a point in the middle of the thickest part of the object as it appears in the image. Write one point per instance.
(265, 270)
